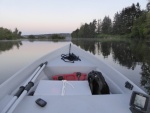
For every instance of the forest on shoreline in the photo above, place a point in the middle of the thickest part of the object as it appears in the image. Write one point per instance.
(131, 22)
(7, 34)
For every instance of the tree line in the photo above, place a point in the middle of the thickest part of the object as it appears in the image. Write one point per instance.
(6, 34)
(131, 21)
(52, 36)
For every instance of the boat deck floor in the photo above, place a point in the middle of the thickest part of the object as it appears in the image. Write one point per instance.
(75, 100)
(116, 103)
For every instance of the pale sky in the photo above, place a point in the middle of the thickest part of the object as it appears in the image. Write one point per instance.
(57, 16)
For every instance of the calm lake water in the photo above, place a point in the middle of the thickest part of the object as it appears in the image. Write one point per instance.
(131, 58)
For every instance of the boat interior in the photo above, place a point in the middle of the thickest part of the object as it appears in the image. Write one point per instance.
(59, 67)
(66, 95)
(60, 86)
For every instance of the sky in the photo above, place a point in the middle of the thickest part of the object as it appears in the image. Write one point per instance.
(57, 16)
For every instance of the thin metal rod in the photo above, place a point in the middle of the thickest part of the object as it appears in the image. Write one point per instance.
(24, 93)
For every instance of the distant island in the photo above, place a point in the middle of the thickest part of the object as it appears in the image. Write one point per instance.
(49, 36)
(7, 34)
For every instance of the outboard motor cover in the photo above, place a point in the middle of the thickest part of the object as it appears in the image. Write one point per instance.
(97, 83)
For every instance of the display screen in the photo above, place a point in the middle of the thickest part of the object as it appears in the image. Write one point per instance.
(139, 101)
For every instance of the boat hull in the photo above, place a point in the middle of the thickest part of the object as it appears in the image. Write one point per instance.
(115, 80)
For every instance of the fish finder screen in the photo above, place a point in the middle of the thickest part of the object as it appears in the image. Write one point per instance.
(140, 101)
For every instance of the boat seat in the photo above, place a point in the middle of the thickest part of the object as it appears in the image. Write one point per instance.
(51, 87)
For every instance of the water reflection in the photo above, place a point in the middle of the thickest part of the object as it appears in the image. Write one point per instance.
(122, 52)
(7, 45)
(86, 45)
(105, 48)
(126, 53)
(145, 78)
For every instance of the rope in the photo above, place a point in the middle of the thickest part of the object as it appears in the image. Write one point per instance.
(64, 86)
(70, 57)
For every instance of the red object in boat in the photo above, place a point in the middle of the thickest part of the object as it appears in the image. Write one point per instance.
(73, 76)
